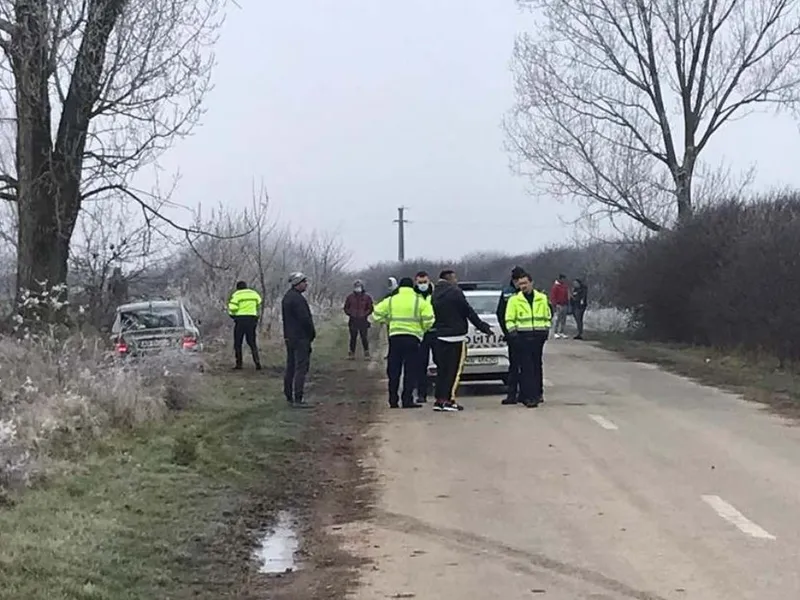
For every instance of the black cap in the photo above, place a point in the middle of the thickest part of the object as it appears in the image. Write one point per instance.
(517, 272)
(406, 282)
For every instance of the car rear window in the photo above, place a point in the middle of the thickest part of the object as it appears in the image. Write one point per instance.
(483, 304)
(151, 318)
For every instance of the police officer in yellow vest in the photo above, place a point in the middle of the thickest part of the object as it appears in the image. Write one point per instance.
(408, 316)
(244, 307)
(528, 320)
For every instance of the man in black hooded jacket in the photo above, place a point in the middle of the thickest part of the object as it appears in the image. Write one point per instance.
(452, 313)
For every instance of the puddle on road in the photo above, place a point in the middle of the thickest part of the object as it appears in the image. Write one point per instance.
(276, 554)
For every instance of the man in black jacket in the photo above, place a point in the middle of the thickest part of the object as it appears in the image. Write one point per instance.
(578, 300)
(513, 363)
(452, 313)
(298, 333)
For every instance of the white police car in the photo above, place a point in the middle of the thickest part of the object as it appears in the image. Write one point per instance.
(487, 355)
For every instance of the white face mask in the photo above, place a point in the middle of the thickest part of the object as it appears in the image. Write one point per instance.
(422, 287)
(358, 289)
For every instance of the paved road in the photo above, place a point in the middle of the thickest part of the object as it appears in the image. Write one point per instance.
(628, 483)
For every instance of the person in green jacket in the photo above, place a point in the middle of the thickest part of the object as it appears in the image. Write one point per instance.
(244, 307)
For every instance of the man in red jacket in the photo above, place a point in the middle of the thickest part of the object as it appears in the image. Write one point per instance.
(559, 298)
(358, 306)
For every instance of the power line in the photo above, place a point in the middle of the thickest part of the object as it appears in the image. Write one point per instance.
(401, 233)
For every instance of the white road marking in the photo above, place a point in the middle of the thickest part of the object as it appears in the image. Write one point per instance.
(733, 516)
(603, 422)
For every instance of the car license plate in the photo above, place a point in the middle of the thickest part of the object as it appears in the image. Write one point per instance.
(481, 360)
(153, 343)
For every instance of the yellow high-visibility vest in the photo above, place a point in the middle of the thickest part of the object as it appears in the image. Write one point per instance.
(522, 315)
(244, 303)
(406, 313)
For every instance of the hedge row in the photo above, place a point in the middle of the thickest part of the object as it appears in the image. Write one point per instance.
(730, 278)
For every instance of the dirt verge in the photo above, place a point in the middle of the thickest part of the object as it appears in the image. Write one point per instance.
(324, 484)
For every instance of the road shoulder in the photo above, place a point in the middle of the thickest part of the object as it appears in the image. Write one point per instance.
(756, 378)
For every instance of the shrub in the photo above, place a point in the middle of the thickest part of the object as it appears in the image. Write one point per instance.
(57, 393)
(729, 278)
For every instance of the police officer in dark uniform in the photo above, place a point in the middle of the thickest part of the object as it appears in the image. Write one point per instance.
(513, 368)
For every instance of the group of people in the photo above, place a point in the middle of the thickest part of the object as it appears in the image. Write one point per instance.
(299, 332)
(423, 320)
(564, 302)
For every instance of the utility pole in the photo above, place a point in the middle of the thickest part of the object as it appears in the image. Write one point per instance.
(401, 233)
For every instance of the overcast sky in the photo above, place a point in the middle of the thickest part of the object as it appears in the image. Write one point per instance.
(348, 109)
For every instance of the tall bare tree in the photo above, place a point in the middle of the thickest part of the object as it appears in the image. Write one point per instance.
(617, 99)
(100, 88)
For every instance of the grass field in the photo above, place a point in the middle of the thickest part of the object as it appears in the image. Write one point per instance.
(172, 510)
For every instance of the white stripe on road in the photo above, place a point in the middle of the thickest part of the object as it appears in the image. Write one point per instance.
(733, 516)
(603, 422)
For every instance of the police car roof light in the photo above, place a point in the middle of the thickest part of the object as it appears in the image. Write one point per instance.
(469, 286)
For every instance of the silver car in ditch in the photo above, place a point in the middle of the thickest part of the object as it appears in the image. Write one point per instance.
(154, 326)
(487, 355)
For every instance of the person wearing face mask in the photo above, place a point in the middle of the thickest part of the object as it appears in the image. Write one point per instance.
(424, 287)
(408, 316)
(358, 308)
(528, 319)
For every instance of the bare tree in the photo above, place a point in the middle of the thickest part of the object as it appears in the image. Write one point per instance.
(112, 247)
(617, 99)
(323, 257)
(100, 88)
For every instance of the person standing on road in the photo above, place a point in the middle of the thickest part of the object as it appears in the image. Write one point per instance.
(452, 312)
(528, 319)
(559, 298)
(579, 301)
(358, 307)
(408, 316)
(424, 287)
(244, 307)
(298, 333)
(513, 363)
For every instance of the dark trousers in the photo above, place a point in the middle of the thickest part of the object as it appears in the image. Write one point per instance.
(513, 369)
(425, 349)
(298, 359)
(244, 328)
(402, 361)
(578, 313)
(530, 351)
(450, 357)
(359, 327)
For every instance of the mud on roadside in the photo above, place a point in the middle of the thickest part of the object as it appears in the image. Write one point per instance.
(325, 486)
